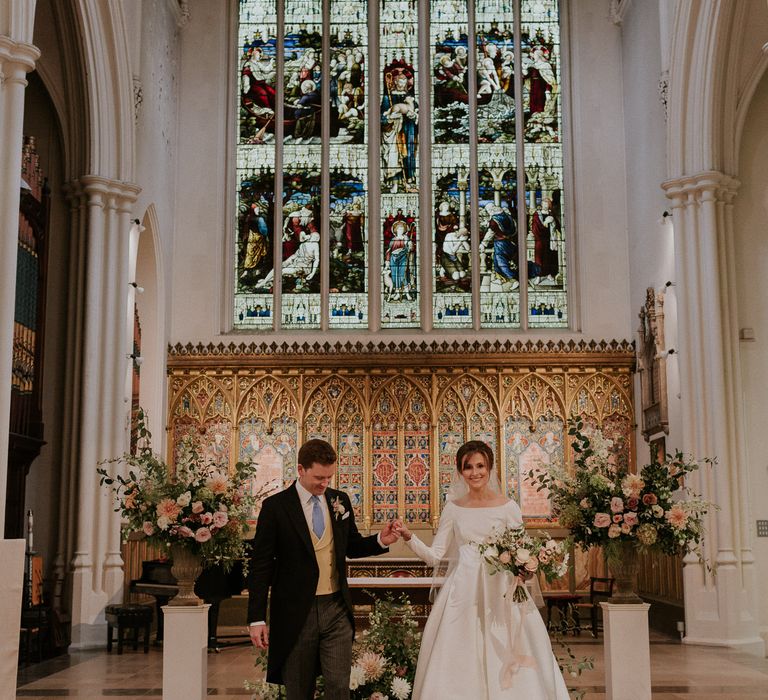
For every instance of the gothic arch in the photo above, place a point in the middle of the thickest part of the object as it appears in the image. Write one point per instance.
(707, 99)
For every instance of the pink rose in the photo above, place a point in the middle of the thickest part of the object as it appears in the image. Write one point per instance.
(148, 527)
(505, 557)
(614, 531)
(618, 518)
(633, 502)
(203, 535)
(650, 499)
(206, 518)
(626, 529)
(220, 518)
(630, 519)
(197, 507)
(617, 505)
(184, 531)
(602, 520)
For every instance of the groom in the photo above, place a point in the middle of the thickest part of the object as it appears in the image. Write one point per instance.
(303, 537)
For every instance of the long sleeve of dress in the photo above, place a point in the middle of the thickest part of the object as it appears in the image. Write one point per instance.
(441, 543)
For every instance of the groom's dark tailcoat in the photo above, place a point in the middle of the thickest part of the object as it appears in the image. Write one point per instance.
(284, 558)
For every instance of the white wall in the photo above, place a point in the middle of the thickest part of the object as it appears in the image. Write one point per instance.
(157, 66)
(751, 246)
(651, 243)
(205, 204)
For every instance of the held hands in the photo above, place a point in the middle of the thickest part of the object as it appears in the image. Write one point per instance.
(401, 529)
(389, 534)
(259, 636)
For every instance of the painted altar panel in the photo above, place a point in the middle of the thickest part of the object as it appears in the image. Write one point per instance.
(397, 415)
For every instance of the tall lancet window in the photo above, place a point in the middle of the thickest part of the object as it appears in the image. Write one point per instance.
(399, 165)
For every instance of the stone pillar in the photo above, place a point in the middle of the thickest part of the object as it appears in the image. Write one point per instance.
(720, 609)
(185, 652)
(17, 58)
(97, 577)
(626, 638)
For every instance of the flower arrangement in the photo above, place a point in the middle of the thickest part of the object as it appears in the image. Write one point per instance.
(603, 504)
(519, 554)
(384, 657)
(199, 505)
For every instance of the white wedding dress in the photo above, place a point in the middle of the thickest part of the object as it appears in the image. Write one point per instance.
(478, 644)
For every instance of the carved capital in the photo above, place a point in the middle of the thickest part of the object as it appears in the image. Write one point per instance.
(692, 189)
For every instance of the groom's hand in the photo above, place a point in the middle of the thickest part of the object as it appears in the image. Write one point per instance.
(389, 534)
(259, 636)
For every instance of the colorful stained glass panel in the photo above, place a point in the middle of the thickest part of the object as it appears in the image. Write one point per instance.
(254, 239)
(399, 119)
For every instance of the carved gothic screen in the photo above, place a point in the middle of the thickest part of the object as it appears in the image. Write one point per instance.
(399, 165)
(397, 414)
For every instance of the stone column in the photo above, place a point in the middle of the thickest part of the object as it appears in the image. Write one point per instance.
(720, 609)
(97, 564)
(17, 58)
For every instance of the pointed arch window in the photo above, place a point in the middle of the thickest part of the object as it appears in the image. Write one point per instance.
(400, 165)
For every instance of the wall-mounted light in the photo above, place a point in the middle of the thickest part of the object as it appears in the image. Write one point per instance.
(665, 288)
(664, 354)
(139, 290)
(138, 360)
(665, 218)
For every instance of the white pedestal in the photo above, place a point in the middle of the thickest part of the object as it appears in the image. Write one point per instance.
(11, 587)
(627, 651)
(185, 652)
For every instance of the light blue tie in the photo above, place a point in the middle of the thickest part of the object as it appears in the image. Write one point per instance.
(318, 520)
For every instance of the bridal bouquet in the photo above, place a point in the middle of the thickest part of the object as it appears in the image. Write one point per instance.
(604, 504)
(198, 505)
(515, 551)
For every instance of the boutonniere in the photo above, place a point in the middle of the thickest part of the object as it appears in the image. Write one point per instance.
(338, 508)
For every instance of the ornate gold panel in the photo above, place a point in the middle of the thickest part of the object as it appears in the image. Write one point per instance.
(398, 412)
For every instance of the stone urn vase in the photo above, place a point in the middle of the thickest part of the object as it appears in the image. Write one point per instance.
(623, 568)
(186, 568)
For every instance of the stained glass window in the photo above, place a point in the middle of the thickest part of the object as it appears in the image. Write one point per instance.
(461, 144)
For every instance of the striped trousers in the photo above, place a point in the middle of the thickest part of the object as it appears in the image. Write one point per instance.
(325, 641)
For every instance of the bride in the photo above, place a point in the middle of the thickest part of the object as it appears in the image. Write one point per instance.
(477, 643)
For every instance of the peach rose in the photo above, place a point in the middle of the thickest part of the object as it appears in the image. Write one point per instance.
(148, 527)
(630, 519)
(203, 535)
(197, 507)
(220, 518)
(602, 520)
(505, 557)
(614, 531)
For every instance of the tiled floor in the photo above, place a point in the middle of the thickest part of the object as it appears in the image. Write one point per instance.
(679, 672)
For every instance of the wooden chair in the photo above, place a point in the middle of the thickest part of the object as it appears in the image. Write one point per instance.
(600, 589)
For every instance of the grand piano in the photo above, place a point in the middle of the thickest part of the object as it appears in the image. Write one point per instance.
(214, 585)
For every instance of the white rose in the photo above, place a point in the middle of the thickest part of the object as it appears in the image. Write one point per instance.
(658, 511)
(491, 553)
(163, 522)
(551, 544)
(185, 499)
(522, 556)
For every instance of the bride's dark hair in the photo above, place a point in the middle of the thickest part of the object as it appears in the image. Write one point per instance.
(474, 447)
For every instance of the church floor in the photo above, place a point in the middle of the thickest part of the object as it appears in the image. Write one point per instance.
(679, 672)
